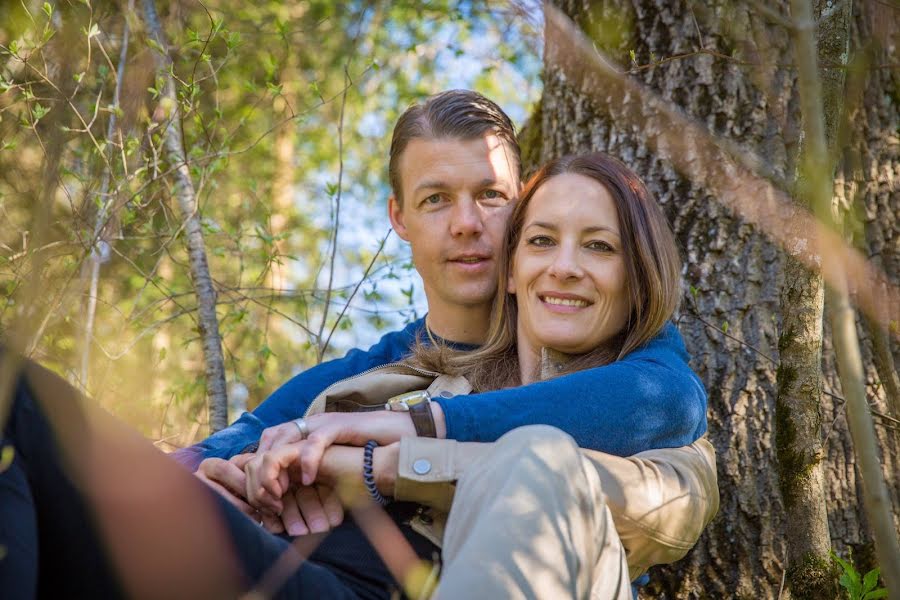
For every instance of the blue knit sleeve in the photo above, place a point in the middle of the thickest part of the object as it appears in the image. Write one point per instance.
(649, 399)
(293, 398)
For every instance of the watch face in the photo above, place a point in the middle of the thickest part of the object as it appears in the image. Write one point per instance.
(404, 401)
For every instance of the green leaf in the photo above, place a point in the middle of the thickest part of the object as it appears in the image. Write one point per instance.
(14, 47)
(870, 580)
(48, 9)
(874, 595)
(725, 327)
(94, 32)
(233, 39)
(155, 45)
(39, 112)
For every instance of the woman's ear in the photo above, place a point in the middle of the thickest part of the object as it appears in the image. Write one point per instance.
(510, 284)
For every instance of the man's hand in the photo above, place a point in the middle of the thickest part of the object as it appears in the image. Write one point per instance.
(311, 509)
(227, 478)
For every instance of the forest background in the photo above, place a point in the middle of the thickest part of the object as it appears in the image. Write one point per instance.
(192, 199)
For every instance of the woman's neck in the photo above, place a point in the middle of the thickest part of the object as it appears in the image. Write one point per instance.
(540, 364)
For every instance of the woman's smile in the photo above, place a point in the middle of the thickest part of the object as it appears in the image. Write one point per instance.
(568, 269)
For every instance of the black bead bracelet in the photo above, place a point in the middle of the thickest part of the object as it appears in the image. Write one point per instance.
(368, 477)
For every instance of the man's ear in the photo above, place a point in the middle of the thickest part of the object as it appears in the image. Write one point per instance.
(395, 214)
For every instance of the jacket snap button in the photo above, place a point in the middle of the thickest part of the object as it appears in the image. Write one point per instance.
(445, 394)
(422, 466)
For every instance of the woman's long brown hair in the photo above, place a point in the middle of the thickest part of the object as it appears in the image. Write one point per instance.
(652, 267)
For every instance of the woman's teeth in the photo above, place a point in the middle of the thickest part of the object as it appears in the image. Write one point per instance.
(563, 301)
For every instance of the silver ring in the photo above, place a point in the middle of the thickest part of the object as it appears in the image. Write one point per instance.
(303, 427)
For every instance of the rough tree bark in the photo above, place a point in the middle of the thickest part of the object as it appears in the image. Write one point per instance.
(207, 322)
(740, 87)
(798, 405)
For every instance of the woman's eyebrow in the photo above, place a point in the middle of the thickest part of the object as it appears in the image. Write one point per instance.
(591, 229)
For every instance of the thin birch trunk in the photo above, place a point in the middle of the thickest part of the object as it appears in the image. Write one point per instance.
(843, 319)
(100, 241)
(187, 201)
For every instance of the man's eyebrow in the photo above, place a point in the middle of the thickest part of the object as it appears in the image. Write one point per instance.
(436, 184)
(591, 229)
(430, 185)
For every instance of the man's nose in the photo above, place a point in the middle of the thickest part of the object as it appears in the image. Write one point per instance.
(566, 263)
(466, 218)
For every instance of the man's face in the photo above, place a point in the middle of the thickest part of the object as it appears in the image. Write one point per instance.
(457, 198)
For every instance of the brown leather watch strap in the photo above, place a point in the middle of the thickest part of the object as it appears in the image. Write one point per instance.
(423, 419)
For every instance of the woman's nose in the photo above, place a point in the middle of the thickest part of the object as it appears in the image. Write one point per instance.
(565, 264)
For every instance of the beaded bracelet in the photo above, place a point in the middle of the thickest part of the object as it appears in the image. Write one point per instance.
(368, 477)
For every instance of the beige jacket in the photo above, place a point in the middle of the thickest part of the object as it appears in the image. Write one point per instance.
(660, 500)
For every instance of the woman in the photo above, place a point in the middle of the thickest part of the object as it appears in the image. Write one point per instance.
(591, 271)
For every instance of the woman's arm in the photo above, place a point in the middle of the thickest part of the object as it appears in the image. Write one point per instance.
(649, 399)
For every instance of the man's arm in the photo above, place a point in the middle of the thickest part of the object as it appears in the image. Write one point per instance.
(293, 398)
(660, 500)
(649, 399)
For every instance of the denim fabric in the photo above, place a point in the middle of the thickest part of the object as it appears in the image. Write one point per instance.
(649, 399)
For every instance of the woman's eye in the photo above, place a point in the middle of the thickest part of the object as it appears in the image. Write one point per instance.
(600, 246)
(541, 241)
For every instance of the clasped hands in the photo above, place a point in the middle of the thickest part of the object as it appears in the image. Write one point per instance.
(290, 484)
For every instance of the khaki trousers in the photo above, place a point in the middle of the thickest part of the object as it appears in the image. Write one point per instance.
(531, 521)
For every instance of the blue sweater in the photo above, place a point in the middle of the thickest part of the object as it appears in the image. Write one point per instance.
(649, 399)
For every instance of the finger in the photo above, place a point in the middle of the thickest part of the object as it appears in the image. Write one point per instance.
(291, 517)
(231, 498)
(240, 460)
(271, 523)
(331, 502)
(272, 477)
(256, 493)
(225, 474)
(312, 510)
(311, 456)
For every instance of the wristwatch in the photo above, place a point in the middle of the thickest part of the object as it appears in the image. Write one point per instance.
(418, 405)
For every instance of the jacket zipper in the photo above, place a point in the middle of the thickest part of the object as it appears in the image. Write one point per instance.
(366, 372)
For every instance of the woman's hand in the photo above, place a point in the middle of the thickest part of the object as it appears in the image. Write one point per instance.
(327, 429)
(268, 477)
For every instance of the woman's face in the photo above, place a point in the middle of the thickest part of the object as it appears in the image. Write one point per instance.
(568, 269)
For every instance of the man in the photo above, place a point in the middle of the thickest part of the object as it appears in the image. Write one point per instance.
(454, 171)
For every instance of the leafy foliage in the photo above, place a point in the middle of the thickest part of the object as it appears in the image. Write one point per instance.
(859, 587)
(286, 117)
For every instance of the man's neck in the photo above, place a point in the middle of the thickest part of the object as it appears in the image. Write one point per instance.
(463, 325)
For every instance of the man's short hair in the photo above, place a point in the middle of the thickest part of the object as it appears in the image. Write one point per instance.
(461, 114)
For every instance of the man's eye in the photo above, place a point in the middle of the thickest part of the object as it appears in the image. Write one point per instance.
(600, 246)
(493, 195)
(541, 241)
(432, 199)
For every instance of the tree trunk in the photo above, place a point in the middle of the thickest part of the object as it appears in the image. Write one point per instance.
(798, 409)
(207, 322)
(731, 321)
